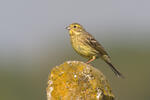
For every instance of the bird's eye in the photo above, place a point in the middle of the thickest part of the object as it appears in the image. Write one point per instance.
(75, 26)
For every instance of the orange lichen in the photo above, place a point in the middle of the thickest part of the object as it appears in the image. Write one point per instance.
(74, 80)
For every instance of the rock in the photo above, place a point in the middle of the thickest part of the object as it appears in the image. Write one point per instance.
(75, 80)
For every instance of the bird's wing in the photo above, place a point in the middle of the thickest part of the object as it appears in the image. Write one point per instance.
(90, 40)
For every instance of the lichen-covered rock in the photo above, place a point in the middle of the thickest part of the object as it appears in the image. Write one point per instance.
(75, 80)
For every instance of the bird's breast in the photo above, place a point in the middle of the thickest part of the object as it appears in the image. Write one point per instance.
(82, 48)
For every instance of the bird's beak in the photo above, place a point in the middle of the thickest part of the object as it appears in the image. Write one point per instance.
(68, 28)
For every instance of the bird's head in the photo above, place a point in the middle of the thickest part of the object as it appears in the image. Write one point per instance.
(75, 28)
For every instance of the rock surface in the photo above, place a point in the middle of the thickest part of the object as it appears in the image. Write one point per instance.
(75, 80)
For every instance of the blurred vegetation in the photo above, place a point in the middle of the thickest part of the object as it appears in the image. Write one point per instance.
(25, 80)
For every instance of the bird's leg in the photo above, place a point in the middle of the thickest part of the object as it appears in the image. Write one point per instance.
(93, 58)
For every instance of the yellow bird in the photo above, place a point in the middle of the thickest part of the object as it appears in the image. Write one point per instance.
(87, 46)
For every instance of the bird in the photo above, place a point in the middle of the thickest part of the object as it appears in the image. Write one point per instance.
(87, 46)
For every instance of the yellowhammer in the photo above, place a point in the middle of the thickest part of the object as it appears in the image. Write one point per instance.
(86, 45)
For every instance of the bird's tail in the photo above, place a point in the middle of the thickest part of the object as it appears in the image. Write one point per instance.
(107, 60)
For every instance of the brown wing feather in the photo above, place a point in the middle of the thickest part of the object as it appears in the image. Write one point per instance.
(90, 40)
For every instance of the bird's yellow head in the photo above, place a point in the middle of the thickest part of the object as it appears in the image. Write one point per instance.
(75, 28)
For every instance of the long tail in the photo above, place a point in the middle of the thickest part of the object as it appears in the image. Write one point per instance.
(107, 60)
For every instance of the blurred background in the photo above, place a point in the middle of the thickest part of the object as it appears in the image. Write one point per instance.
(33, 40)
